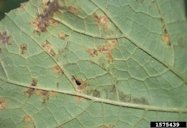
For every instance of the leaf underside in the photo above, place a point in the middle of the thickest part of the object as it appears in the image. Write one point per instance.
(93, 64)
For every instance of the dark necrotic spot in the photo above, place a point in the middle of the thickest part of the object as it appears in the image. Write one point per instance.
(34, 82)
(31, 90)
(4, 37)
(43, 20)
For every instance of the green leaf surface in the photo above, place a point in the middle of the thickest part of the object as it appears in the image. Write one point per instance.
(93, 64)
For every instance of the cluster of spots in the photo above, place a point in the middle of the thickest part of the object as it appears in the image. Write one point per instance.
(62, 35)
(102, 20)
(127, 98)
(44, 93)
(23, 49)
(57, 69)
(165, 36)
(45, 19)
(31, 90)
(4, 37)
(105, 49)
(3, 104)
(49, 48)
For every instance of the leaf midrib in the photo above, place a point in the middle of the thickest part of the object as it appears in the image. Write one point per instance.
(106, 101)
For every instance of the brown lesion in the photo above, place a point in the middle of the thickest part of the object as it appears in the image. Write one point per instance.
(166, 37)
(49, 48)
(62, 35)
(31, 90)
(3, 104)
(45, 94)
(57, 69)
(106, 49)
(27, 118)
(101, 20)
(4, 37)
(45, 19)
(80, 84)
(93, 52)
(23, 48)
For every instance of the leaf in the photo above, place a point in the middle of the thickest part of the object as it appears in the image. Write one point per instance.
(93, 64)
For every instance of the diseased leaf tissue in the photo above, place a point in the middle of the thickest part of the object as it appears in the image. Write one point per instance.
(93, 64)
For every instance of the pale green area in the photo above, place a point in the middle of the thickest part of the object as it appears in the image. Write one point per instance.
(145, 80)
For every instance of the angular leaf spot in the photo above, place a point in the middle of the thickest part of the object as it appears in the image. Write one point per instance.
(4, 37)
(102, 20)
(49, 48)
(3, 104)
(105, 49)
(72, 9)
(31, 90)
(27, 118)
(57, 69)
(80, 84)
(23, 48)
(165, 37)
(93, 52)
(44, 94)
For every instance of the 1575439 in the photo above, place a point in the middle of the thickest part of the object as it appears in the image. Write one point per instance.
(168, 124)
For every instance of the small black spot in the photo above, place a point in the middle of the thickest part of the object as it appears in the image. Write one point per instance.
(31, 90)
(78, 82)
